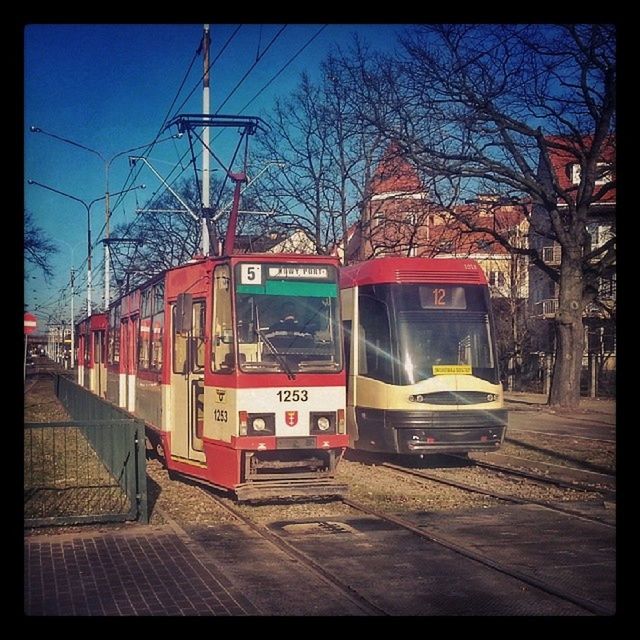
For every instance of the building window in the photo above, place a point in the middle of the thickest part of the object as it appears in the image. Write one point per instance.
(496, 278)
(607, 287)
(603, 173)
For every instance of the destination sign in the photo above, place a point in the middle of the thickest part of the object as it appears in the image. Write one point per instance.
(293, 272)
(452, 369)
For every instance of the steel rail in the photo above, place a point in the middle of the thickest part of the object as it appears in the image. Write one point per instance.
(493, 494)
(467, 552)
(563, 484)
(363, 603)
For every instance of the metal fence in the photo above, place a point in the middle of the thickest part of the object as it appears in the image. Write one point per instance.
(91, 469)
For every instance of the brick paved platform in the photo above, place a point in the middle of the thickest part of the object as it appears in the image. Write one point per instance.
(143, 571)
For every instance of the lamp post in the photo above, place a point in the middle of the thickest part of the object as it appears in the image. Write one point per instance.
(107, 165)
(87, 206)
(73, 274)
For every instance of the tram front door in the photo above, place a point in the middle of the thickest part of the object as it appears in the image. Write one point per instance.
(187, 378)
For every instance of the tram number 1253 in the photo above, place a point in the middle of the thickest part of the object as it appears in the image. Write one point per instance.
(293, 395)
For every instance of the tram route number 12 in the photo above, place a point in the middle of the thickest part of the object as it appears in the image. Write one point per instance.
(439, 297)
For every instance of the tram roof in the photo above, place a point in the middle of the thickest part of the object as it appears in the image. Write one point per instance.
(407, 270)
(96, 321)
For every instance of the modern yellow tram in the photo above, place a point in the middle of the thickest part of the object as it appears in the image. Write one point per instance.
(421, 354)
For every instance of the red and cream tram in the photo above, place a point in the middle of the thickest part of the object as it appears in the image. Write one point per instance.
(230, 393)
(90, 353)
(421, 357)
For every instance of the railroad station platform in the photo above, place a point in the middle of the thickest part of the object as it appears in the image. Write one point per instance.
(135, 570)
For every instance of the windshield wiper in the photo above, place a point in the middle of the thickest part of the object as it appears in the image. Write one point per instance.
(279, 357)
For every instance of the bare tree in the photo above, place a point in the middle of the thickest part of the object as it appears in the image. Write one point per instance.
(38, 248)
(164, 234)
(326, 156)
(487, 108)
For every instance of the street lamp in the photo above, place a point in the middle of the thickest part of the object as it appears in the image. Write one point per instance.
(87, 206)
(107, 165)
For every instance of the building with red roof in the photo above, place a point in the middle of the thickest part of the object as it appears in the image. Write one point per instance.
(400, 218)
(567, 160)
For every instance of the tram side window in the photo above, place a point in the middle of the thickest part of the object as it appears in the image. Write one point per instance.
(375, 340)
(179, 346)
(223, 360)
(151, 328)
(180, 341)
(87, 346)
(114, 335)
(157, 327)
(145, 330)
(143, 343)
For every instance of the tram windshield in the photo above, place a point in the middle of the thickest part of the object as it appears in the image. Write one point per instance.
(430, 346)
(287, 319)
(413, 332)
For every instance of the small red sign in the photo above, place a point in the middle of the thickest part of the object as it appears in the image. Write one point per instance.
(291, 418)
(30, 323)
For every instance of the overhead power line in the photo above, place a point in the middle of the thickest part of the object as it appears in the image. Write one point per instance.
(252, 67)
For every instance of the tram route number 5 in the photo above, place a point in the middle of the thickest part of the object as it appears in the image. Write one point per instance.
(250, 274)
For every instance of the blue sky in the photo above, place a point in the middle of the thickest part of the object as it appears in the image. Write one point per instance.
(109, 88)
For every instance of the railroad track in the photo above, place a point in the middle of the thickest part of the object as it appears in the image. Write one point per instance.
(468, 552)
(367, 606)
(365, 603)
(432, 477)
(545, 479)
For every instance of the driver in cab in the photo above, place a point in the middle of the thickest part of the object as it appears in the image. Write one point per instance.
(288, 332)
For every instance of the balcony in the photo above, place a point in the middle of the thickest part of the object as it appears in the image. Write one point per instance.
(552, 255)
(546, 308)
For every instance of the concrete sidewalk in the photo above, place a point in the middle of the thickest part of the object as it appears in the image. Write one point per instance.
(138, 570)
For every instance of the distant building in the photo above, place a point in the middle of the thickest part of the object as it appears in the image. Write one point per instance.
(399, 218)
(599, 317)
(275, 242)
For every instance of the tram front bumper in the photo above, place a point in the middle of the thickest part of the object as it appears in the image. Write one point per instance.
(431, 431)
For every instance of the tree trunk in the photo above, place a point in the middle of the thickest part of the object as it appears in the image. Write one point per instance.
(565, 385)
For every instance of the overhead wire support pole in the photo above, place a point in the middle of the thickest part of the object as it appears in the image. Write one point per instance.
(107, 166)
(206, 177)
(134, 159)
(248, 126)
(87, 206)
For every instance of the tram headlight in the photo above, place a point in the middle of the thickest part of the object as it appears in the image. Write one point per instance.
(323, 423)
(259, 424)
